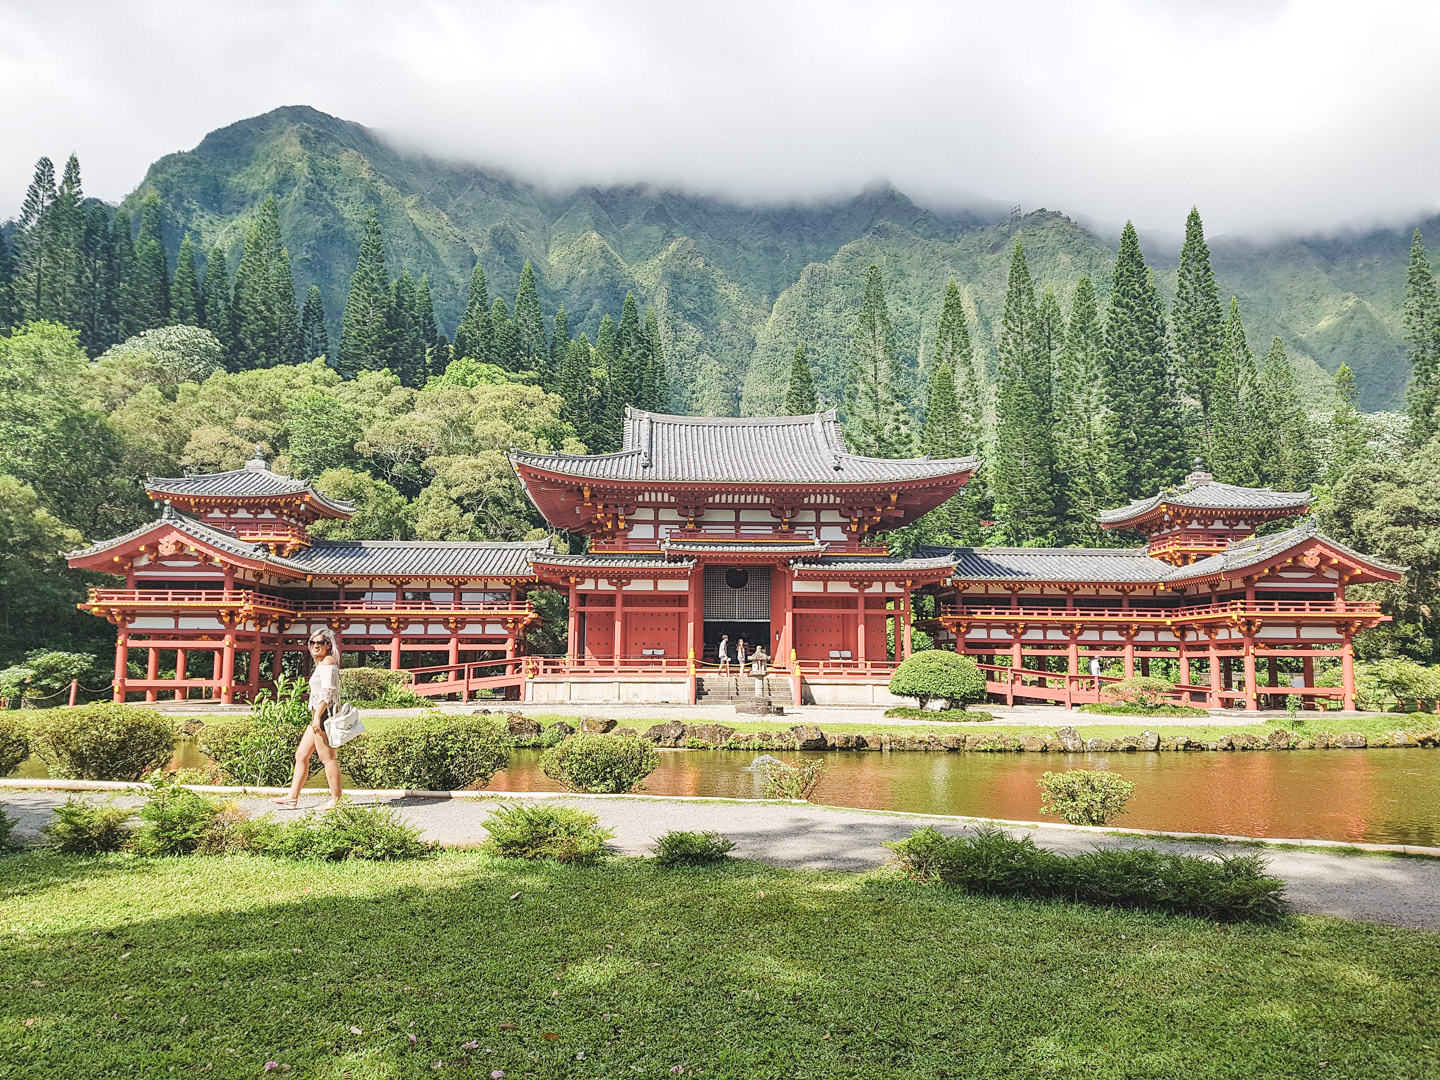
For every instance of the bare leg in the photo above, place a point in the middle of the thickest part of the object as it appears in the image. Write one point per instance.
(302, 769)
(330, 761)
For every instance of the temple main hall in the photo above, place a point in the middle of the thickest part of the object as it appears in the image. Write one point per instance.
(764, 531)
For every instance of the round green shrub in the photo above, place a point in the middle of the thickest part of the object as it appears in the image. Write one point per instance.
(601, 764)
(939, 674)
(1084, 796)
(82, 827)
(430, 753)
(104, 741)
(14, 745)
(175, 821)
(260, 748)
(564, 834)
(1143, 690)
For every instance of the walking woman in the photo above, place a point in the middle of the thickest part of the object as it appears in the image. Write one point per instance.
(324, 696)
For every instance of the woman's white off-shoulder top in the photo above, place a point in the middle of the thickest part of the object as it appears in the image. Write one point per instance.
(325, 686)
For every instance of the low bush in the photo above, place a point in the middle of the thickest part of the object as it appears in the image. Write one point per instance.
(14, 744)
(1084, 796)
(603, 764)
(560, 833)
(786, 781)
(46, 673)
(1139, 690)
(373, 833)
(1107, 708)
(676, 848)
(965, 716)
(430, 753)
(81, 827)
(178, 821)
(938, 674)
(7, 830)
(380, 688)
(994, 863)
(105, 741)
(1395, 679)
(259, 749)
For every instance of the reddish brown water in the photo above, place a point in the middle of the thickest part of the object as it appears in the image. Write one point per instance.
(1381, 796)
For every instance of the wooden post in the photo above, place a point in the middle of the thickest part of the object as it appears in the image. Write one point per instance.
(906, 623)
(74, 691)
(454, 651)
(1252, 699)
(152, 671)
(572, 628)
(1145, 666)
(182, 665)
(227, 669)
(1347, 673)
(277, 660)
(1307, 670)
(395, 646)
(617, 645)
(1130, 656)
(1015, 662)
(1184, 667)
(860, 623)
(1072, 666)
(122, 659)
(1215, 698)
(252, 667)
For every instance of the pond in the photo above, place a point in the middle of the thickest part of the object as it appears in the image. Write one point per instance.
(1379, 796)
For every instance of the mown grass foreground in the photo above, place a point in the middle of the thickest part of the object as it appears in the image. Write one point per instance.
(121, 966)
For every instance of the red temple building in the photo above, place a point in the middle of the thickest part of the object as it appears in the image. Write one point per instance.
(762, 530)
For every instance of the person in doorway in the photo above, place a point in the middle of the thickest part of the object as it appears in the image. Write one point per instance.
(740, 655)
(1095, 671)
(324, 696)
(723, 654)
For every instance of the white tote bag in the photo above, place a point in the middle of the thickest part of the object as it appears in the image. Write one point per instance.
(342, 725)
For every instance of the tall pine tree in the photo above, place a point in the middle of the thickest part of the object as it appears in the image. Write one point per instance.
(1422, 333)
(431, 342)
(504, 341)
(1198, 324)
(122, 275)
(405, 338)
(576, 387)
(800, 397)
(364, 327)
(1028, 500)
(149, 293)
(66, 236)
(1080, 419)
(34, 249)
(7, 286)
(952, 346)
(655, 380)
(185, 289)
(215, 306)
(472, 336)
(533, 351)
(1287, 459)
(607, 431)
(1237, 426)
(1147, 443)
(876, 419)
(266, 321)
(559, 345)
(1349, 441)
(314, 338)
(626, 379)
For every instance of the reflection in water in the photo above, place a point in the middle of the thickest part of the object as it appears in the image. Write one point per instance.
(1380, 796)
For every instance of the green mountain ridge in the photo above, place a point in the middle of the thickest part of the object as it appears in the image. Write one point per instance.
(736, 287)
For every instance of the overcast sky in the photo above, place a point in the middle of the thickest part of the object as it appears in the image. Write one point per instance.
(1267, 115)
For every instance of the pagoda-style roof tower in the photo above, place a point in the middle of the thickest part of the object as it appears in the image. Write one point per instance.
(252, 502)
(1201, 517)
(785, 467)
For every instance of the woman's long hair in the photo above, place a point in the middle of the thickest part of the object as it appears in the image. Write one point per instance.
(332, 644)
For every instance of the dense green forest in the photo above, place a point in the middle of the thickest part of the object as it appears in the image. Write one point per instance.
(1089, 377)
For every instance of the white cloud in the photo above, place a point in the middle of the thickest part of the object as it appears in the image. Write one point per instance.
(1267, 116)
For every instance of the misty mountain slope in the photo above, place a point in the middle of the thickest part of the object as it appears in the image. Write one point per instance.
(735, 286)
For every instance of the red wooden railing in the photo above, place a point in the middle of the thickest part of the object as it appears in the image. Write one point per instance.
(1223, 609)
(225, 599)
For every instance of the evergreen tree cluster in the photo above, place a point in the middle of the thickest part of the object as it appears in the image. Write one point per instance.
(387, 324)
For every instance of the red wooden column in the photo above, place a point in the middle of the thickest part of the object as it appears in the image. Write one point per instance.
(1252, 700)
(905, 623)
(1184, 661)
(152, 671)
(227, 668)
(182, 662)
(1347, 673)
(617, 647)
(395, 625)
(454, 625)
(277, 659)
(1129, 633)
(122, 658)
(572, 630)
(860, 621)
(252, 667)
(1072, 666)
(216, 663)
(1215, 698)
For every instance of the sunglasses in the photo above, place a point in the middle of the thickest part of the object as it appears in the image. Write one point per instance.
(318, 641)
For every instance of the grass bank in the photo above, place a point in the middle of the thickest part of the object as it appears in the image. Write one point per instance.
(126, 966)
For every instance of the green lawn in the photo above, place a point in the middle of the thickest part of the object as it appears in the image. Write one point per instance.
(119, 966)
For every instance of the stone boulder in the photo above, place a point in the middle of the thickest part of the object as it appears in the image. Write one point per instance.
(1149, 740)
(625, 731)
(670, 733)
(522, 727)
(842, 742)
(1279, 739)
(1225, 742)
(1070, 740)
(952, 742)
(807, 737)
(708, 735)
(1097, 745)
(1033, 744)
(1403, 738)
(596, 725)
(561, 728)
(1130, 743)
(1352, 740)
(1242, 740)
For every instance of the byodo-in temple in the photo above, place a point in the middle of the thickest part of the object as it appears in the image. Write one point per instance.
(763, 531)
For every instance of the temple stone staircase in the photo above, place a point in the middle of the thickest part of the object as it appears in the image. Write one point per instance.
(730, 689)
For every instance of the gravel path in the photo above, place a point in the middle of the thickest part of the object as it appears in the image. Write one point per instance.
(1399, 891)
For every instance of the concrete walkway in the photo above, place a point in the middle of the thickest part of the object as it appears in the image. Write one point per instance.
(1399, 891)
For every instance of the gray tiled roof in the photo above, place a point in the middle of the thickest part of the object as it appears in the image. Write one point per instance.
(419, 558)
(252, 481)
(861, 563)
(620, 561)
(1126, 565)
(740, 547)
(1259, 549)
(740, 450)
(1211, 496)
(222, 539)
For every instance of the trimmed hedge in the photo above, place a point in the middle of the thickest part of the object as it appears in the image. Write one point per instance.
(939, 674)
(1084, 796)
(676, 848)
(104, 741)
(994, 863)
(260, 748)
(14, 744)
(430, 753)
(560, 833)
(82, 827)
(601, 764)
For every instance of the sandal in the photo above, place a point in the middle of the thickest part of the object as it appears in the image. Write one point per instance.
(286, 804)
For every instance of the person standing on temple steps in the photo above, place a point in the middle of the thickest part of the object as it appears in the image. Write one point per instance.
(324, 696)
(1095, 672)
(723, 654)
(740, 656)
